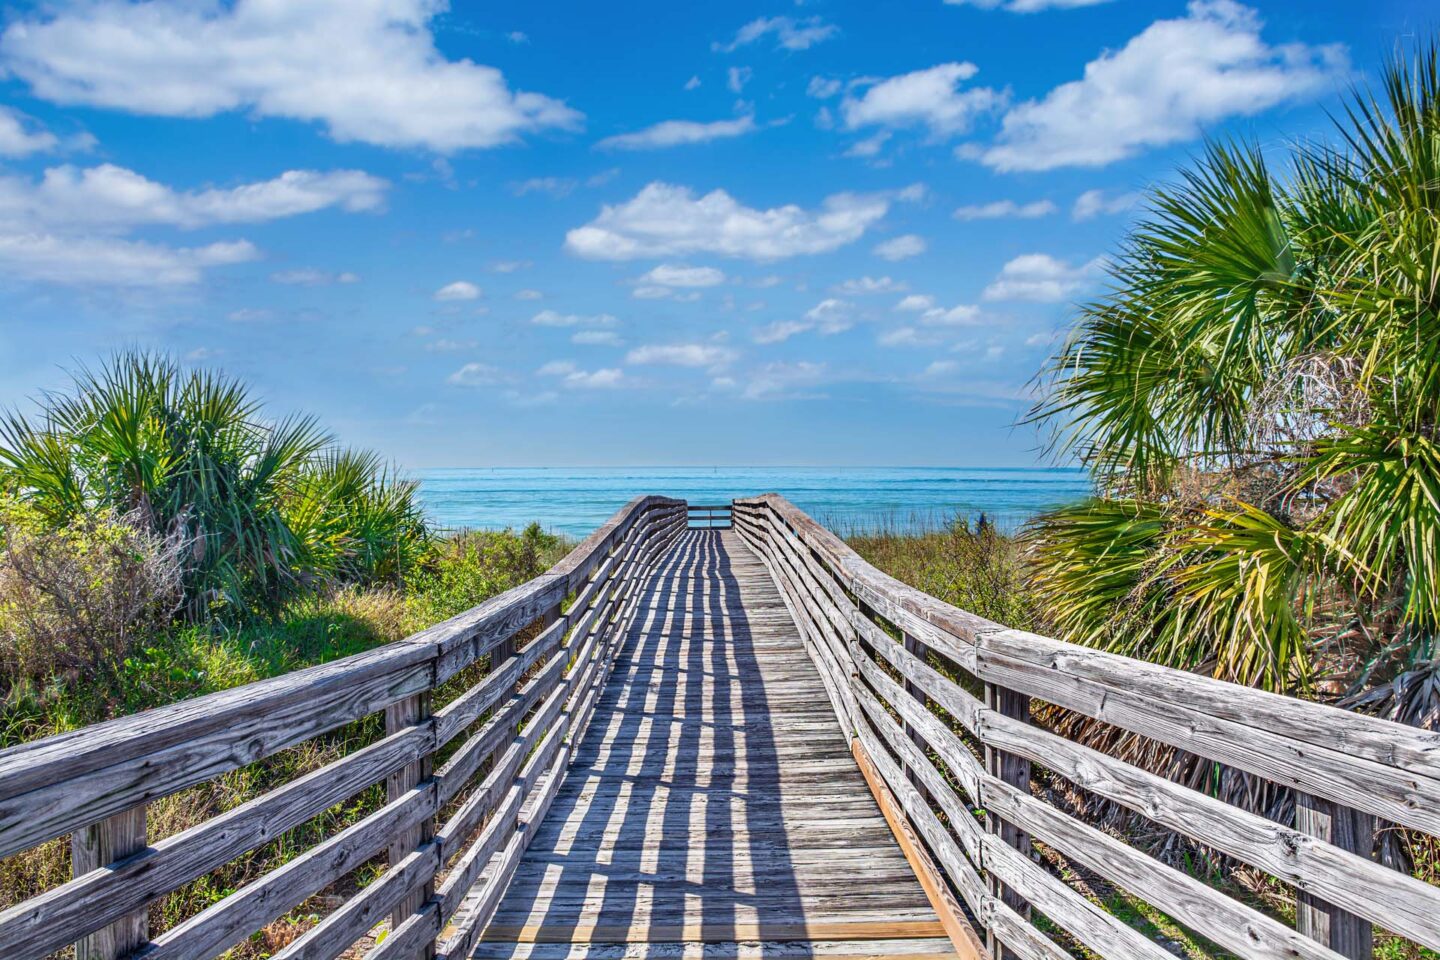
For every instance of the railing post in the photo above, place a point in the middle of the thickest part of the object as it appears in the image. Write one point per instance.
(1346, 934)
(917, 649)
(99, 845)
(1016, 772)
(398, 716)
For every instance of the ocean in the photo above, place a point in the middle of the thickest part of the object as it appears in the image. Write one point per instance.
(574, 501)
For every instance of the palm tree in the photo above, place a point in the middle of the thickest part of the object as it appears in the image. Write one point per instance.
(267, 507)
(1258, 397)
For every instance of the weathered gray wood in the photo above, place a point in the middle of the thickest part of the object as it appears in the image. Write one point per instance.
(1345, 933)
(410, 712)
(94, 848)
(1012, 769)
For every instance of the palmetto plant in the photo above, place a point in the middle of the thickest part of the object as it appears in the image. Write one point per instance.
(267, 507)
(1258, 397)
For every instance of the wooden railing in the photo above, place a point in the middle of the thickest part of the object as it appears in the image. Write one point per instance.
(709, 516)
(465, 781)
(939, 702)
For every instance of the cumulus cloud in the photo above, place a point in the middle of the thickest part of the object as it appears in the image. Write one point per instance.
(665, 220)
(550, 318)
(789, 33)
(901, 247)
(682, 354)
(783, 381)
(830, 316)
(1095, 203)
(575, 378)
(1025, 6)
(1040, 277)
(312, 277)
(20, 136)
(868, 285)
(556, 187)
(674, 133)
(596, 338)
(1165, 86)
(113, 198)
(823, 88)
(928, 98)
(916, 302)
(368, 72)
(459, 290)
(476, 375)
(69, 226)
(679, 275)
(111, 260)
(1005, 209)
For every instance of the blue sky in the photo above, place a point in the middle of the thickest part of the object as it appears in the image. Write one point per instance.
(599, 234)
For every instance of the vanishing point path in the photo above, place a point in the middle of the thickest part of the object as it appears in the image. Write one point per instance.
(713, 799)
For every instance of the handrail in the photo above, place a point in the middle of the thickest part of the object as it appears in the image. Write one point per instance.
(902, 670)
(708, 516)
(515, 725)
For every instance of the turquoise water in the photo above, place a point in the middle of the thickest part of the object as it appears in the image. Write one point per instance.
(575, 501)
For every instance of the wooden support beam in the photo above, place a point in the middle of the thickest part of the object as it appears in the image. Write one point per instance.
(1348, 829)
(1014, 770)
(98, 846)
(398, 716)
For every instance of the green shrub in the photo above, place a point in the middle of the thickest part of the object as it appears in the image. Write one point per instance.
(76, 597)
(269, 507)
(467, 568)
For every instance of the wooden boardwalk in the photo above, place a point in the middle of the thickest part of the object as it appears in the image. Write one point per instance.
(713, 807)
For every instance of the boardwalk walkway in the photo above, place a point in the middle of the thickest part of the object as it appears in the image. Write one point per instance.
(713, 807)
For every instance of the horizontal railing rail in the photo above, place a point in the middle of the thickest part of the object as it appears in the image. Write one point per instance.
(939, 702)
(465, 780)
(708, 516)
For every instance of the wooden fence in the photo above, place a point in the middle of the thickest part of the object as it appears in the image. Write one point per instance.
(465, 782)
(940, 701)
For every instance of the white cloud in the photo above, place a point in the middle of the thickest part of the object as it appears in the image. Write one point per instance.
(779, 381)
(550, 318)
(1002, 209)
(459, 290)
(789, 33)
(829, 317)
(901, 247)
(596, 338)
(110, 260)
(517, 36)
(20, 136)
(682, 354)
(528, 295)
(311, 277)
(963, 315)
(737, 77)
(665, 220)
(1095, 203)
(679, 275)
(781, 330)
(672, 133)
(510, 266)
(1025, 6)
(110, 197)
(1040, 277)
(1166, 85)
(927, 98)
(870, 146)
(476, 375)
(916, 302)
(692, 83)
(577, 379)
(445, 345)
(368, 71)
(556, 187)
(823, 88)
(868, 285)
